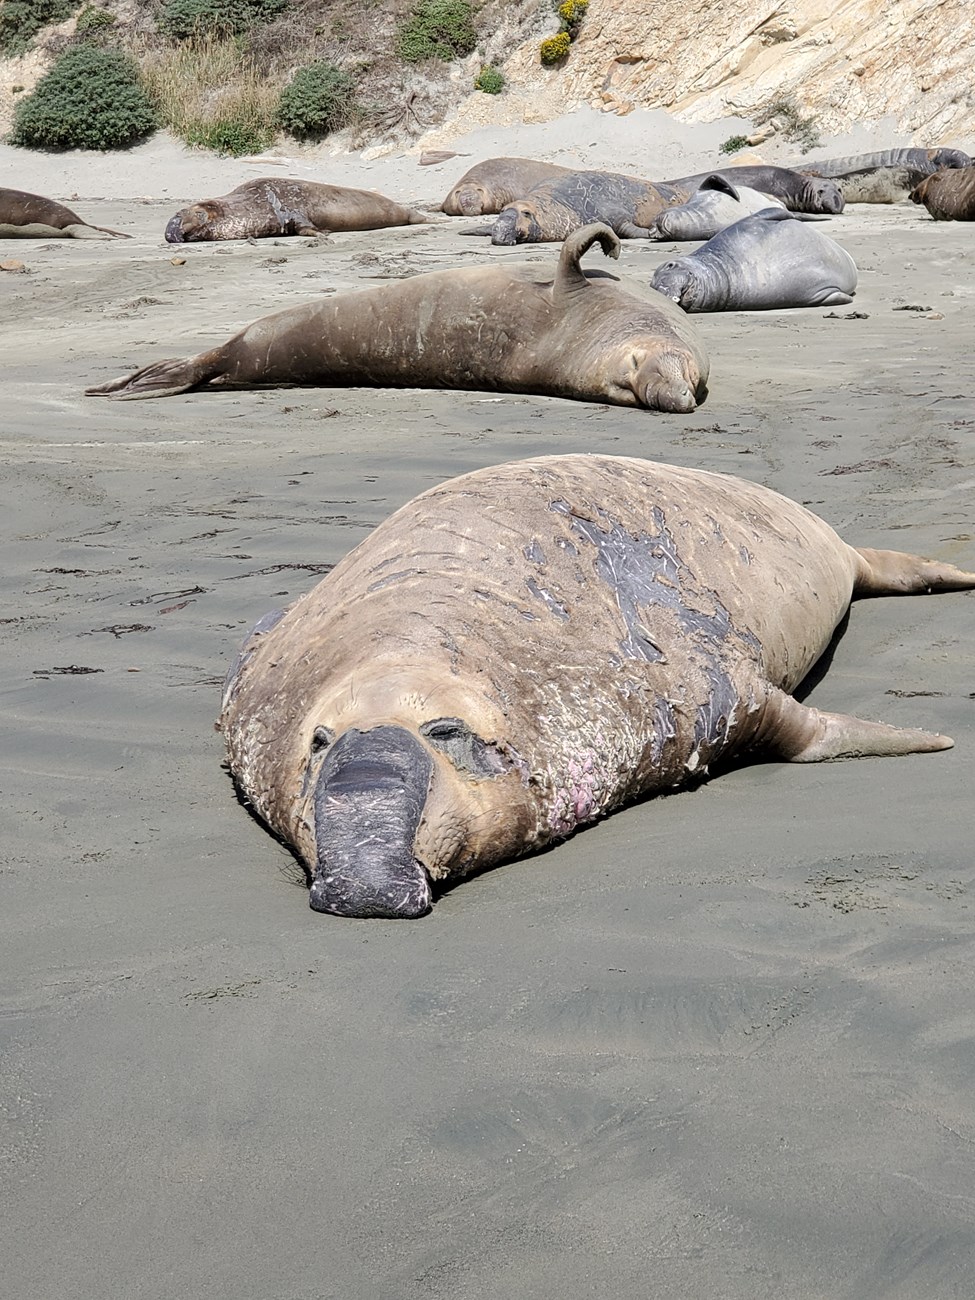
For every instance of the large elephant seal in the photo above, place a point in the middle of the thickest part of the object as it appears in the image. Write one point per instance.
(771, 259)
(948, 195)
(887, 176)
(799, 193)
(716, 205)
(272, 205)
(490, 186)
(511, 329)
(32, 216)
(925, 160)
(523, 649)
(555, 208)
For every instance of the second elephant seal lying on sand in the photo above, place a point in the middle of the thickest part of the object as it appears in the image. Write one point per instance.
(502, 328)
(490, 186)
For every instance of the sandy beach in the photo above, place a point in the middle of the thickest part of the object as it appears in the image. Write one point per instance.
(720, 1046)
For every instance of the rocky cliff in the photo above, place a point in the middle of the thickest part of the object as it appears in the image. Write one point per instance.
(844, 63)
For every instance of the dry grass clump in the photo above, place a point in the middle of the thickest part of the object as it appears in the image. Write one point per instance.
(210, 92)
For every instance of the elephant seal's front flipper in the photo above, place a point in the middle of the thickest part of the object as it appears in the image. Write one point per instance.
(791, 731)
(369, 799)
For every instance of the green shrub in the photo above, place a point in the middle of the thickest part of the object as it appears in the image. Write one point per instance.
(733, 144)
(90, 99)
(232, 135)
(21, 20)
(555, 48)
(490, 80)
(94, 19)
(437, 29)
(182, 19)
(318, 100)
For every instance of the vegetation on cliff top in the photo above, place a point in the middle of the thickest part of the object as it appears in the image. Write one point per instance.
(230, 74)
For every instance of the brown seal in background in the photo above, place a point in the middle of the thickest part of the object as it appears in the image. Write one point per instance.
(948, 195)
(491, 185)
(32, 216)
(271, 205)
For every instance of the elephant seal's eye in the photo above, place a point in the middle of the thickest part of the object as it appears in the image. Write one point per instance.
(321, 739)
(466, 751)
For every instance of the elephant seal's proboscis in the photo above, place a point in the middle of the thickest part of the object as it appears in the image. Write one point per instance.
(527, 647)
(501, 328)
(32, 216)
(273, 205)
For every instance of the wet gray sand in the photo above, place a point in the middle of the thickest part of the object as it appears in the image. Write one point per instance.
(718, 1047)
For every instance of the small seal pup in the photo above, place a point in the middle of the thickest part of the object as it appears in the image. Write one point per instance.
(275, 205)
(490, 186)
(770, 259)
(523, 649)
(948, 195)
(710, 209)
(512, 329)
(32, 216)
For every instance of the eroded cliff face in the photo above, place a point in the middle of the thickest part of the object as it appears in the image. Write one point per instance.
(845, 62)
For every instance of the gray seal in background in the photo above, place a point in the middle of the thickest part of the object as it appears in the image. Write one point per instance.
(768, 260)
(710, 209)
(800, 193)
